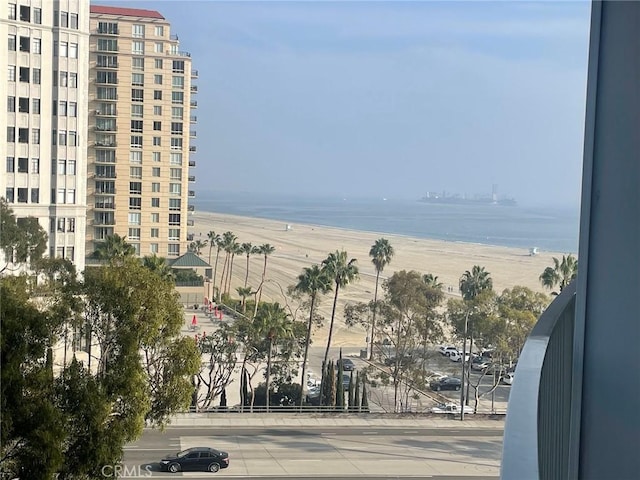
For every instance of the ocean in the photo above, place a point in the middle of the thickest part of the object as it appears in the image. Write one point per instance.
(546, 228)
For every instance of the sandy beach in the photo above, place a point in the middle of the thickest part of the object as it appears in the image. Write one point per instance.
(304, 245)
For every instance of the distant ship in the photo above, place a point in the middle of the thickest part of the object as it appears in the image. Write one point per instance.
(446, 198)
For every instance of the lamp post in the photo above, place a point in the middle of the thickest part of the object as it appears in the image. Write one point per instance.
(464, 359)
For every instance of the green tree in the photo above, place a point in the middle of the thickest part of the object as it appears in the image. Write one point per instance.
(356, 395)
(561, 274)
(264, 250)
(212, 241)
(431, 281)
(248, 249)
(22, 240)
(313, 281)
(197, 246)
(381, 253)
(350, 393)
(273, 323)
(235, 250)
(364, 404)
(243, 292)
(339, 386)
(226, 243)
(342, 272)
(158, 265)
(218, 242)
(114, 247)
(475, 281)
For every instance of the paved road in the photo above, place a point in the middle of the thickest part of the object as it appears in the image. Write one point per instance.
(328, 451)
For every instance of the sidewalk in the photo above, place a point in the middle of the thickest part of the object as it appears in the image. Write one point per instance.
(318, 420)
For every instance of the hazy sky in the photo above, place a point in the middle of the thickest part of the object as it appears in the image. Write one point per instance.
(387, 98)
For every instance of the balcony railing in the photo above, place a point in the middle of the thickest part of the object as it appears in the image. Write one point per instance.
(104, 221)
(192, 194)
(194, 89)
(105, 206)
(192, 163)
(173, 36)
(194, 74)
(193, 119)
(190, 223)
(193, 104)
(537, 429)
(177, 54)
(191, 208)
(106, 144)
(193, 134)
(192, 178)
(192, 149)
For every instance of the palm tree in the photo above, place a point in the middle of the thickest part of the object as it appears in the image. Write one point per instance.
(312, 281)
(197, 246)
(266, 250)
(158, 265)
(562, 273)
(244, 292)
(235, 249)
(431, 281)
(380, 253)
(213, 239)
(272, 323)
(228, 239)
(247, 249)
(114, 247)
(218, 240)
(342, 272)
(473, 282)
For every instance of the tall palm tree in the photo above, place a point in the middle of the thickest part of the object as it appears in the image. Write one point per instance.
(228, 240)
(247, 249)
(158, 265)
(212, 238)
(266, 250)
(215, 268)
(244, 292)
(381, 253)
(473, 282)
(561, 274)
(235, 250)
(272, 323)
(114, 247)
(197, 246)
(342, 273)
(312, 281)
(431, 281)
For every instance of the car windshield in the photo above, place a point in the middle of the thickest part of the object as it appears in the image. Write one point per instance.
(184, 453)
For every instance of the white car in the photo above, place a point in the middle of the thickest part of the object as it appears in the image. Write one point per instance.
(457, 356)
(447, 349)
(508, 378)
(451, 408)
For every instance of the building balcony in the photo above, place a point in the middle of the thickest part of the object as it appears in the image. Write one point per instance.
(104, 221)
(192, 194)
(105, 129)
(190, 223)
(100, 113)
(173, 36)
(194, 74)
(192, 149)
(107, 31)
(193, 104)
(105, 144)
(106, 99)
(192, 178)
(192, 163)
(177, 54)
(193, 119)
(194, 89)
(112, 66)
(193, 134)
(105, 206)
(101, 82)
(106, 176)
(191, 208)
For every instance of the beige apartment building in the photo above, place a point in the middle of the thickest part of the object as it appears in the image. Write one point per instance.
(43, 57)
(140, 127)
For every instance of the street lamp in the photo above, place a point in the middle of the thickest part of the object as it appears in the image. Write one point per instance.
(464, 360)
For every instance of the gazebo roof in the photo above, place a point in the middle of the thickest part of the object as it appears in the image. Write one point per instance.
(189, 260)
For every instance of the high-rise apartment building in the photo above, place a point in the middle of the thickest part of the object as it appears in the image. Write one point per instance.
(139, 132)
(44, 55)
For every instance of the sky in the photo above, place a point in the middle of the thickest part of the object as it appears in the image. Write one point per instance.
(387, 99)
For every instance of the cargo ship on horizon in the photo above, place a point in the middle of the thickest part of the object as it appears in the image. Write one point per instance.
(446, 198)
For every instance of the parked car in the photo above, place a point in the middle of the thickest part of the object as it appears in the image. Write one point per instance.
(457, 356)
(195, 459)
(446, 383)
(446, 350)
(451, 408)
(508, 378)
(480, 363)
(347, 364)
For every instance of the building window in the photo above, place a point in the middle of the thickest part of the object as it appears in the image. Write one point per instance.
(64, 81)
(73, 138)
(11, 74)
(35, 165)
(177, 112)
(62, 167)
(157, 94)
(23, 165)
(175, 204)
(9, 194)
(137, 95)
(23, 195)
(35, 195)
(61, 224)
(137, 31)
(136, 126)
(155, 187)
(157, 110)
(134, 219)
(73, 81)
(108, 156)
(177, 97)
(35, 136)
(158, 63)
(12, 43)
(157, 141)
(11, 134)
(23, 135)
(73, 50)
(11, 164)
(157, 79)
(59, 252)
(135, 203)
(135, 172)
(175, 188)
(73, 109)
(107, 77)
(25, 44)
(107, 61)
(155, 202)
(137, 63)
(37, 46)
(177, 82)
(62, 137)
(64, 19)
(71, 195)
(175, 173)
(137, 79)
(73, 21)
(176, 143)
(36, 76)
(155, 172)
(155, 218)
(174, 234)
(158, 47)
(178, 66)
(137, 111)
(23, 105)
(107, 45)
(24, 74)
(12, 11)
(71, 225)
(63, 49)
(11, 103)
(134, 234)
(71, 165)
(135, 157)
(137, 48)
(108, 28)
(153, 248)
(157, 157)
(136, 141)
(176, 128)
(173, 249)
(135, 188)
(159, 31)
(62, 108)
(37, 16)
(69, 253)
(36, 106)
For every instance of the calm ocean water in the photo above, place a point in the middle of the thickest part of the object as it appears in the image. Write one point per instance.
(548, 229)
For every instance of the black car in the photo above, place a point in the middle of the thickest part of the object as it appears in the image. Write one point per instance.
(347, 365)
(446, 383)
(195, 459)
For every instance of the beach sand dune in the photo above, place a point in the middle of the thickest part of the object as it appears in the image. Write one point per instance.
(302, 245)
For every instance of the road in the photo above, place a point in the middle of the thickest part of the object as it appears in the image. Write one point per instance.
(327, 452)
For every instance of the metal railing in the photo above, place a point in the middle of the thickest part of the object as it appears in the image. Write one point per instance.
(537, 430)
